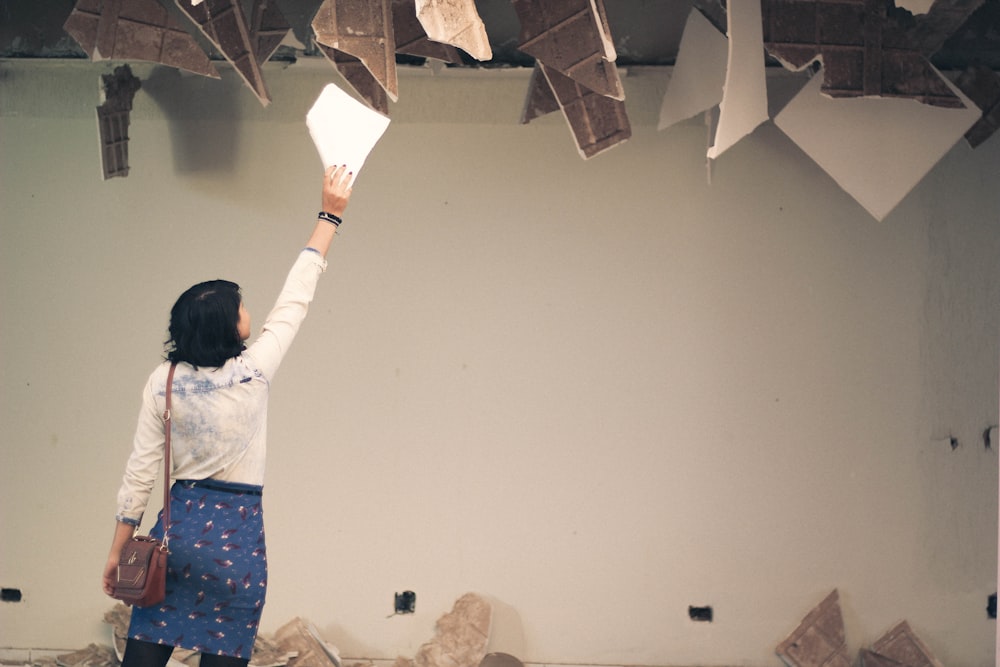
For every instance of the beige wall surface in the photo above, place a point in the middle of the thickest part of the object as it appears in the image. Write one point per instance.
(596, 391)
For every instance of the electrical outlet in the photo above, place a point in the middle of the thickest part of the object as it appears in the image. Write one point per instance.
(406, 602)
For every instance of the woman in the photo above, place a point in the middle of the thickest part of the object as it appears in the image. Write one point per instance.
(217, 568)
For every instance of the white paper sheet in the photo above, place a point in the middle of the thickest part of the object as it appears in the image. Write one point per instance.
(344, 129)
(699, 74)
(744, 100)
(876, 148)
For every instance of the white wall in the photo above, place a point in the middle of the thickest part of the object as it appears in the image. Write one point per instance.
(598, 391)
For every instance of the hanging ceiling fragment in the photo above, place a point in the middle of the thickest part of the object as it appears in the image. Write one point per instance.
(135, 30)
(571, 36)
(699, 75)
(982, 86)
(868, 48)
(411, 38)
(359, 77)
(455, 22)
(117, 91)
(744, 96)
(224, 24)
(598, 122)
(876, 148)
(268, 29)
(540, 100)
(363, 29)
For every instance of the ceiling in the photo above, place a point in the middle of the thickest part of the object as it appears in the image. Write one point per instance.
(645, 32)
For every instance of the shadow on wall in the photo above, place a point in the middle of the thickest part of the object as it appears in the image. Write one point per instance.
(203, 122)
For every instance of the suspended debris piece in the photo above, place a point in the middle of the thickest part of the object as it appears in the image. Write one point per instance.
(455, 22)
(268, 29)
(865, 48)
(359, 77)
(343, 129)
(598, 122)
(876, 148)
(541, 100)
(820, 640)
(572, 36)
(411, 38)
(363, 29)
(135, 30)
(942, 20)
(224, 24)
(699, 75)
(982, 86)
(117, 91)
(744, 96)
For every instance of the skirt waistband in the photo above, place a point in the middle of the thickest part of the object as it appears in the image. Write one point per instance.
(219, 485)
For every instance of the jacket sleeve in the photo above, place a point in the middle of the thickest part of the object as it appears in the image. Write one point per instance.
(285, 318)
(145, 461)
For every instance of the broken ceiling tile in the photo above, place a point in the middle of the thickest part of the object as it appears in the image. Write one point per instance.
(876, 149)
(224, 24)
(572, 37)
(268, 29)
(598, 122)
(903, 645)
(699, 75)
(300, 637)
(460, 636)
(744, 95)
(982, 86)
(363, 29)
(865, 51)
(411, 38)
(135, 30)
(117, 90)
(359, 77)
(868, 658)
(819, 640)
(540, 100)
(940, 21)
(455, 22)
(343, 129)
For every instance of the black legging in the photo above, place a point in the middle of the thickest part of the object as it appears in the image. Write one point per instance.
(147, 654)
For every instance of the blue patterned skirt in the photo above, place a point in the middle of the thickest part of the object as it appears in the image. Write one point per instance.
(216, 570)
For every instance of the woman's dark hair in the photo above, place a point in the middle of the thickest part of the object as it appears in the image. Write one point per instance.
(203, 324)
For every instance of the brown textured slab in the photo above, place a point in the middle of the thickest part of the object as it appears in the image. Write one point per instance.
(363, 29)
(571, 36)
(868, 658)
(224, 24)
(903, 645)
(819, 640)
(982, 85)
(411, 38)
(268, 28)
(540, 100)
(135, 30)
(113, 118)
(598, 122)
(864, 49)
(455, 22)
(359, 77)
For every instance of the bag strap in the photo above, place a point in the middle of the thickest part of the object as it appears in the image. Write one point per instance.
(166, 455)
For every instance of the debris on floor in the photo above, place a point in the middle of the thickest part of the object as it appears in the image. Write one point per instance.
(460, 637)
(819, 641)
(300, 640)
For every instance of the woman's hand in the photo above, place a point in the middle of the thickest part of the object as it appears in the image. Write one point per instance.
(336, 189)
